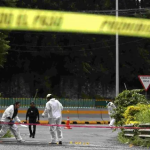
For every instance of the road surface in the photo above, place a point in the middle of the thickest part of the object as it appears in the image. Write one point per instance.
(77, 138)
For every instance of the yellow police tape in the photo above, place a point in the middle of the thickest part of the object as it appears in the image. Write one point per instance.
(42, 20)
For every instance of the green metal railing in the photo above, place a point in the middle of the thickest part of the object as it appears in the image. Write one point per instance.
(68, 103)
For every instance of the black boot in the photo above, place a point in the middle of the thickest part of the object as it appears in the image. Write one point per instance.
(30, 135)
(30, 130)
(60, 142)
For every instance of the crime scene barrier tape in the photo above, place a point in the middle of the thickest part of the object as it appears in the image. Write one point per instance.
(59, 21)
(81, 126)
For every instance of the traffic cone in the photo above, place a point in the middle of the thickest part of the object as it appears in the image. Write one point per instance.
(68, 124)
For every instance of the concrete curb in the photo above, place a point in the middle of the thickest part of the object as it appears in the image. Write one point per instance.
(78, 122)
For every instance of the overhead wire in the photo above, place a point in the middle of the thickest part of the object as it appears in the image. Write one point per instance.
(59, 45)
(112, 45)
(120, 10)
(79, 50)
(62, 45)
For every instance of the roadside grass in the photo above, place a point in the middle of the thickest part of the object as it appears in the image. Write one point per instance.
(134, 140)
(8, 134)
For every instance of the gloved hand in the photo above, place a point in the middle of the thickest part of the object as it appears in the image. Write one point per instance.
(43, 115)
(11, 122)
(25, 121)
(19, 122)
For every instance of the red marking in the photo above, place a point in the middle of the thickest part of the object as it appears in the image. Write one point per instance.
(79, 126)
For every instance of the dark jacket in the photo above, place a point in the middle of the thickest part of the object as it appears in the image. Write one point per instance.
(15, 112)
(32, 112)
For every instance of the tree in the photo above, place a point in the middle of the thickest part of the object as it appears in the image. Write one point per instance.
(3, 48)
(4, 42)
(46, 56)
(76, 60)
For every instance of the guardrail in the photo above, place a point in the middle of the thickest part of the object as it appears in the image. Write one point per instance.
(68, 103)
(129, 132)
(142, 133)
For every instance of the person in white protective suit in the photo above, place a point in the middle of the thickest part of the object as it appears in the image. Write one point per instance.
(111, 109)
(8, 119)
(54, 109)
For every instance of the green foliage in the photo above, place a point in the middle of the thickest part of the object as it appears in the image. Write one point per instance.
(8, 135)
(133, 140)
(80, 55)
(125, 99)
(122, 138)
(129, 114)
(137, 114)
(130, 97)
(144, 115)
(8, 3)
(4, 42)
(3, 48)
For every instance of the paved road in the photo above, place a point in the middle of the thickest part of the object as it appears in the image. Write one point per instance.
(90, 138)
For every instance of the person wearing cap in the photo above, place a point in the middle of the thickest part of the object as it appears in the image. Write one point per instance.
(111, 109)
(8, 119)
(33, 114)
(54, 109)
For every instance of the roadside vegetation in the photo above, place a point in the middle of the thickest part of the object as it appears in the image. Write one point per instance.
(8, 135)
(132, 108)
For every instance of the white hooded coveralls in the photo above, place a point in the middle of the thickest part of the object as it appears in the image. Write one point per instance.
(13, 128)
(54, 109)
(111, 109)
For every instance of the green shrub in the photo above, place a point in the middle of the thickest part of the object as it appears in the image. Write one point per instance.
(125, 99)
(130, 113)
(8, 135)
(144, 115)
(135, 114)
(133, 140)
(122, 138)
(139, 113)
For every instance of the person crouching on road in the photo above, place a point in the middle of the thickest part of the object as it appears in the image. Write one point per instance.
(54, 110)
(111, 109)
(7, 120)
(33, 114)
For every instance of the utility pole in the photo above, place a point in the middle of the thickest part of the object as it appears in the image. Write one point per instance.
(117, 53)
(139, 4)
